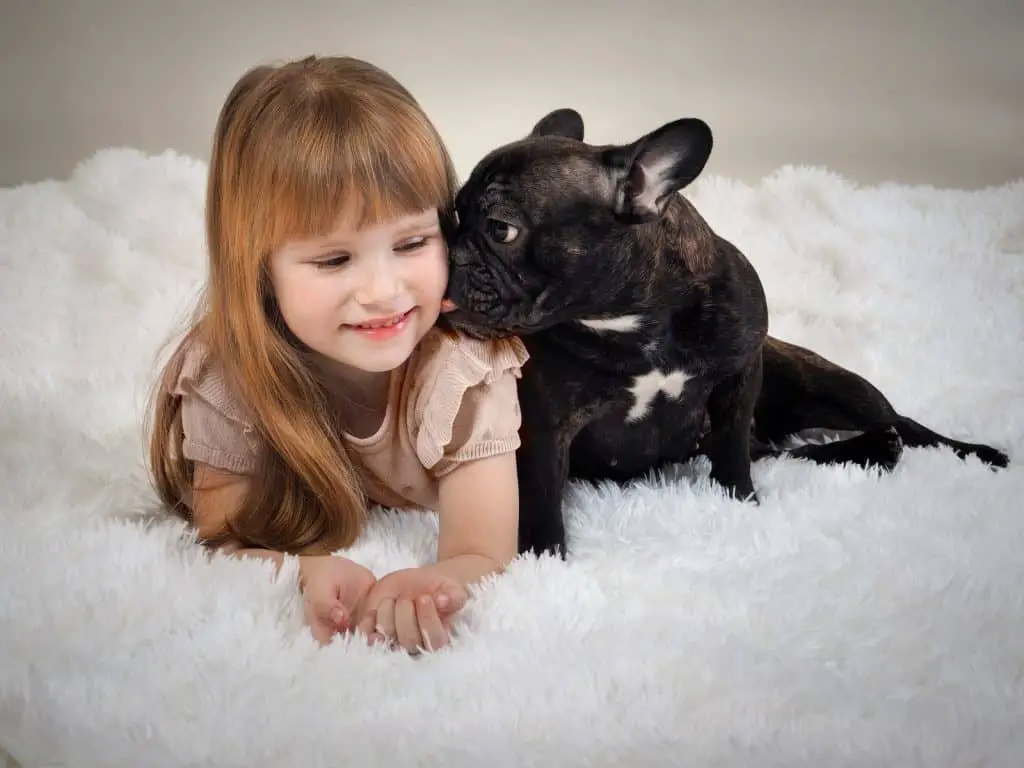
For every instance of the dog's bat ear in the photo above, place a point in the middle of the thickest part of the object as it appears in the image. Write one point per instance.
(561, 122)
(652, 169)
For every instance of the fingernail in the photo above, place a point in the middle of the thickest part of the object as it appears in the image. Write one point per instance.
(442, 601)
(338, 616)
(425, 600)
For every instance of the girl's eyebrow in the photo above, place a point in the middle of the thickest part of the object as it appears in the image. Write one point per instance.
(329, 245)
(311, 249)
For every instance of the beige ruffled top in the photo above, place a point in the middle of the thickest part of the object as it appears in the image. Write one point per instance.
(454, 400)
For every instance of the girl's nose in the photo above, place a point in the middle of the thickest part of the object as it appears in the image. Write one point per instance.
(380, 284)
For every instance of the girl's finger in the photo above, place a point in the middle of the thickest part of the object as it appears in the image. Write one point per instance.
(340, 619)
(406, 626)
(367, 623)
(321, 630)
(385, 623)
(449, 600)
(432, 631)
(318, 632)
(318, 620)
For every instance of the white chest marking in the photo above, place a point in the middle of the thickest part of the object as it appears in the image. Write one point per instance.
(645, 388)
(622, 323)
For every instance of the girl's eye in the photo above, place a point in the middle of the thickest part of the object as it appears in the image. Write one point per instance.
(411, 245)
(333, 262)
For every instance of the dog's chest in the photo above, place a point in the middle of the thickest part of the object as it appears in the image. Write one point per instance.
(654, 416)
(668, 376)
(645, 389)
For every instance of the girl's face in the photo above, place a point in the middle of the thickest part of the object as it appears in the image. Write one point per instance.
(363, 298)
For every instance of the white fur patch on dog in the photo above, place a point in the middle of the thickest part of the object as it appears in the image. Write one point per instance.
(850, 619)
(645, 388)
(621, 324)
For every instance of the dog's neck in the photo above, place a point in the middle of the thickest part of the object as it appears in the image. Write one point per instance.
(669, 256)
(686, 242)
(625, 344)
(668, 293)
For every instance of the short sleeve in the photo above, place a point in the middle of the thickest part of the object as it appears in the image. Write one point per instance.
(470, 410)
(217, 430)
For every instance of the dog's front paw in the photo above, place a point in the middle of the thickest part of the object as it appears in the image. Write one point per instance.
(546, 541)
(737, 485)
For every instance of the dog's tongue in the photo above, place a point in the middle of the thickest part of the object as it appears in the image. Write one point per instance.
(447, 305)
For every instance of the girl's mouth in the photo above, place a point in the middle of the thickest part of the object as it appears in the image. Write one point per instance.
(382, 328)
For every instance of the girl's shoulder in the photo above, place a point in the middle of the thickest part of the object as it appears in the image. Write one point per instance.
(445, 358)
(464, 399)
(198, 375)
(217, 429)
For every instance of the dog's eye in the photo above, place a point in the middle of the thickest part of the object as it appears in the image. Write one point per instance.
(501, 231)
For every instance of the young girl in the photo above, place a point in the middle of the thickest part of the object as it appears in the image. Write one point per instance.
(316, 378)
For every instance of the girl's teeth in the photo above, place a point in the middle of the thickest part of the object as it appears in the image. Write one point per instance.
(386, 324)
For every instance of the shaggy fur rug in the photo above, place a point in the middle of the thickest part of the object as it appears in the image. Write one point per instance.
(850, 619)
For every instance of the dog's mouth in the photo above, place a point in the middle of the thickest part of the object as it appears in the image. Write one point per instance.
(484, 301)
(497, 320)
(471, 324)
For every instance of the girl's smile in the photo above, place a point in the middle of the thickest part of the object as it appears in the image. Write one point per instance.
(384, 328)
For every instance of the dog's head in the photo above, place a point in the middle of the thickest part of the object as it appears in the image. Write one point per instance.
(551, 229)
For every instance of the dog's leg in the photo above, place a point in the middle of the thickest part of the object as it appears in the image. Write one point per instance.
(917, 436)
(542, 466)
(542, 461)
(802, 390)
(879, 448)
(728, 443)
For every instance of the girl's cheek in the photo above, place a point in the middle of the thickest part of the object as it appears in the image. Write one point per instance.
(442, 263)
(442, 270)
(429, 270)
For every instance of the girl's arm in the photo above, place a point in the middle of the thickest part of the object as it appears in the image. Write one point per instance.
(217, 495)
(479, 518)
(478, 512)
(333, 587)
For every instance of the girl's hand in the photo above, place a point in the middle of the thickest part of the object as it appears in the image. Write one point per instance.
(413, 608)
(333, 590)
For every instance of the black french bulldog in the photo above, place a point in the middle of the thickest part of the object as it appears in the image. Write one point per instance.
(647, 332)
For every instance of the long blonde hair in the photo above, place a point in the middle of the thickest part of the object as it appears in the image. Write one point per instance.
(294, 145)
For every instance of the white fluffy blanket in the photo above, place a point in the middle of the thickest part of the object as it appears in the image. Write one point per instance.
(850, 619)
